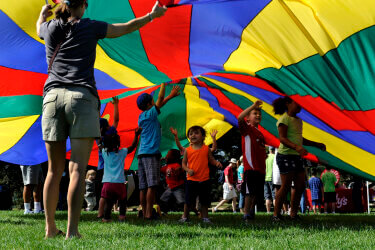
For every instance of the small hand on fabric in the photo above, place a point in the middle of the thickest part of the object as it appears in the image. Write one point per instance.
(158, 11)
(301, 150)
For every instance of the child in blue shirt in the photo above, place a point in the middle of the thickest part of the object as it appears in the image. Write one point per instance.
(114, 188)
(316, 189)
(104, 127)
(148, 152)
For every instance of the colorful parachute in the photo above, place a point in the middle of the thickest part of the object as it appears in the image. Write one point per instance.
(319, 52)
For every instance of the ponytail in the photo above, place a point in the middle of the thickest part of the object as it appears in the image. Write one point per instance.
(63, 10)
(280, 105)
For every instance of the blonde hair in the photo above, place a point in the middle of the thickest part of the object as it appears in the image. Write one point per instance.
(90, 172)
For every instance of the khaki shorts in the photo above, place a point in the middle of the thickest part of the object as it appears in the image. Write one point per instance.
(32, 175)
(70, 112)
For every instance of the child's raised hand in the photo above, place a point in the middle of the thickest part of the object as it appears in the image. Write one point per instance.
(173, 131)
(258, 103)
(214, 133)
(190, 172)
(46, 10)
(301, 150)
(157, 10)
(115, 100)
(138, 131)
(175, 91)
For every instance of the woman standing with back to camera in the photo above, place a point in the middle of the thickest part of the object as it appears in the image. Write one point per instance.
(71, 103)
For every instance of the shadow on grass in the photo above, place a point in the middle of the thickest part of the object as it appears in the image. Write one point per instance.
(352, 222)
(262, 222)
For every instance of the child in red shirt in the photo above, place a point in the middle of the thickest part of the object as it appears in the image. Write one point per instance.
(254, 157)
(175, 179)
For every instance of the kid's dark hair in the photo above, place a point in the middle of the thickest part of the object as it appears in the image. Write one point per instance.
(195, 128)
(111, 141)
(173, 156)
(63, 10)
(280, 105)
(314, 171)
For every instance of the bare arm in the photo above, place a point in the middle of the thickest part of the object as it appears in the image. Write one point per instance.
(283, 132)
(116, 114)
(314, 144)
(178, 143)
(214, 142)
(212, 160)
(120, 29)
(245, 112)
(227, 181)
(44, 14)
(175, 92)
(184, 165)
(159, 101)
(135, 140)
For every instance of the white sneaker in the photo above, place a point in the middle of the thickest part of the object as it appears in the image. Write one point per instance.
(234, 212)
(39, 211)
(28, 212)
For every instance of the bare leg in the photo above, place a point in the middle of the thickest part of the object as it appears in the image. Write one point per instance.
(81, 149)
(102, 203)
(27, 190)
(204, 211)
(286, 180)
(142, 199)
(150, 201)
(249, 203)
(268, 205)
(38, 192)
(234, 204)
(186, 211)
(299, 184)
(325, 207)
(219, 205)
(56, 165)
(333, 207)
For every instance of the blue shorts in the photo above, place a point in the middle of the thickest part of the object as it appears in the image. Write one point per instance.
(269, 191)
(316, 202)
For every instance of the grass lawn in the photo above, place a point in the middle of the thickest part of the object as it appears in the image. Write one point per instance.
(227, 231)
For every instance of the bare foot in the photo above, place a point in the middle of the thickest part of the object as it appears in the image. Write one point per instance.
(54, 234)
(73, 236)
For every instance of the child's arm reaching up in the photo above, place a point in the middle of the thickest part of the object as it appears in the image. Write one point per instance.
(178, 143)
(212, 160)
(116, 113)
(159, 101)
(214, 142)
(135, 140)
(184, 165)
(245, 112)
(175, 92)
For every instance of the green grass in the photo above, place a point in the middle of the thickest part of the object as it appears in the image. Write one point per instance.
(227, 231)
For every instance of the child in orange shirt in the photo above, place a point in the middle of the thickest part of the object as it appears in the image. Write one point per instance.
(196, 159)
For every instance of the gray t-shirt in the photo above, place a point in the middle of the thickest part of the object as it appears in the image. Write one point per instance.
(74, 62)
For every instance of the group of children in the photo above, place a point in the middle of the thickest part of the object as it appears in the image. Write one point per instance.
(197, 158)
